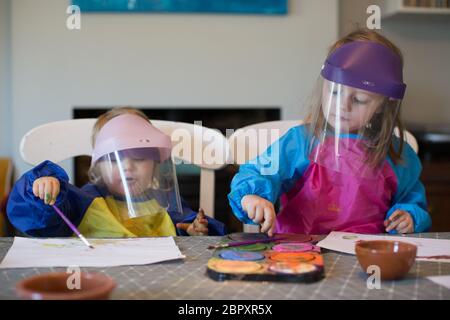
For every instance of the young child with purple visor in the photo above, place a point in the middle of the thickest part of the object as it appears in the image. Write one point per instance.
(344, 169)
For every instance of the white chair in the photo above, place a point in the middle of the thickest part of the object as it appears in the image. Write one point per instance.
(266, 133)
(409, 138)
(61, 140)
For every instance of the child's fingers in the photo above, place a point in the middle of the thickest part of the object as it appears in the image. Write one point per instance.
(271, 231)
(259, 216)
(402, 225)
(395, 215)
(36, 188)
(48, 192)
(55, 191)
(406, 226)
(268, 220)
(42, 190)
(404, 230)
(394, 224)
(201, 213)
(201, 218)
(200, 223)
(408, 229)
(183, 226)
(201, 230)
(251, 212)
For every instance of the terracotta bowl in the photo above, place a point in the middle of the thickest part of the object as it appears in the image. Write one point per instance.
(53, 286)
(394, 258)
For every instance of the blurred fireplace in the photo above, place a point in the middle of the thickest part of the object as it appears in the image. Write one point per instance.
(188, 175)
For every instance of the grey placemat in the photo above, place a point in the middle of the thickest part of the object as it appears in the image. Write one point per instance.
(186, 279)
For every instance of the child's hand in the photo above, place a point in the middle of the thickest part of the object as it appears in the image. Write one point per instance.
(260, 211)
(197, 228)
(47, 189)
(401, 221)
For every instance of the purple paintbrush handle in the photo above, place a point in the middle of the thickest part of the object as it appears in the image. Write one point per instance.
(243, 243)
(71, 226)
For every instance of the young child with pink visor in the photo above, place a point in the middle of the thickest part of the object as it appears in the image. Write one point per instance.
(133, 190)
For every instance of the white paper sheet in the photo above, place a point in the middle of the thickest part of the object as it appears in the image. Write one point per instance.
(345, 242)
(441, 280)
(32, 252)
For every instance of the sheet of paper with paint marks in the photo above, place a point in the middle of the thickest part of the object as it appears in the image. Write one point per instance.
(441, 280)
(426, 248)
(33, 253)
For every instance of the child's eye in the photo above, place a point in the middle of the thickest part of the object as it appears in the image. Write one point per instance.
(360, 101)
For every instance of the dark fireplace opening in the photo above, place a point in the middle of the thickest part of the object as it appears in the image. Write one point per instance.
(220, 118)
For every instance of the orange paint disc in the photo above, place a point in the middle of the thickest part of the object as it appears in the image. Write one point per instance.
(292, 267)
(291, 256)
(231, 266)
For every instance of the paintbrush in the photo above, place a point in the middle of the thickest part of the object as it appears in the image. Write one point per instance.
(72, 227)
(243, 243)
(434, 257)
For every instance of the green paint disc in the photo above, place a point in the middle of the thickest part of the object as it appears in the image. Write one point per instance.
(253, 247)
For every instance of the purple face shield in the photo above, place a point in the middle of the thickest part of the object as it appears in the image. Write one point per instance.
(368, 66)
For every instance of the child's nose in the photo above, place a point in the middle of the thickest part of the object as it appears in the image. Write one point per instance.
(127, 164)
(346, 102)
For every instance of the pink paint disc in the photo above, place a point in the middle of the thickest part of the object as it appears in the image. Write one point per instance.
(293, 247)
(293, 237)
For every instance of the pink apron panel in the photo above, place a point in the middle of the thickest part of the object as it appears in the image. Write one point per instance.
(326, 200)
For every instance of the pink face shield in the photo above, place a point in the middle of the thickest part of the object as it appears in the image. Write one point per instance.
(127, 132)
(132, 164)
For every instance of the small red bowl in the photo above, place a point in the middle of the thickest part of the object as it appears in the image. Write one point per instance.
(54, 286)
(394, 258)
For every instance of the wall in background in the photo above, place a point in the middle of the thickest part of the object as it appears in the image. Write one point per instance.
(162, 60)
(425, 43)
(5, 78)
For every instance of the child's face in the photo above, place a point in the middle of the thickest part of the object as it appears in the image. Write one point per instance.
(135, 173)
(348, 107)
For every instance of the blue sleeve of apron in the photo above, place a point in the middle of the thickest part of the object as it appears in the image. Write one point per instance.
(410, 195)
(31, 216)
(215, 227)
(273, 172)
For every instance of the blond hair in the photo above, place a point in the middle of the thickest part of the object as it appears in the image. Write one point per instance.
(377, 151)
(105, 117)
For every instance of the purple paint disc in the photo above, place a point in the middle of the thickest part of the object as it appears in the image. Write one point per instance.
(293, 247)
(241, 255)
(242, 236)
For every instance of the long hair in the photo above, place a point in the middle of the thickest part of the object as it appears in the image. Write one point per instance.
(382, 123)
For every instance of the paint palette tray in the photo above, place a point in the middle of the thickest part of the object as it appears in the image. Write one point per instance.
(293, 259)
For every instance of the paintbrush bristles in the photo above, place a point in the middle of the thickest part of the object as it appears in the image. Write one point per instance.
(218, 246)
